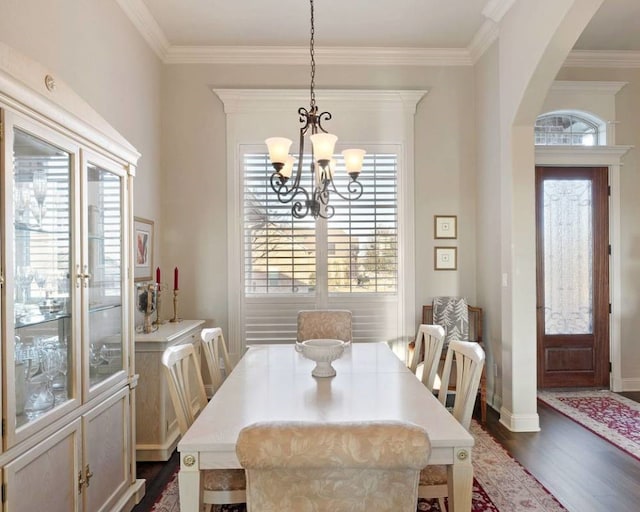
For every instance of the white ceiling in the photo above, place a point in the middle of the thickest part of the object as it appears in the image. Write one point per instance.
(383, 24)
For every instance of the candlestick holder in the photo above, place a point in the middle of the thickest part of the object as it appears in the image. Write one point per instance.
(157, 321)
(175, 307)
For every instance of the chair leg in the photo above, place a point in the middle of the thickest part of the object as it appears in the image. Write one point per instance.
(441, 503)
(483, 397)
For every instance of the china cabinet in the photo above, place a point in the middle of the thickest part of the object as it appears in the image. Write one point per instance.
(66, 304)
(157, 432)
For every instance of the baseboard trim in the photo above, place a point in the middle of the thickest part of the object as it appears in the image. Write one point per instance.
(519, 422)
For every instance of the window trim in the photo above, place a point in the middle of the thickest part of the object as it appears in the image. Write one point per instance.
(253, 114)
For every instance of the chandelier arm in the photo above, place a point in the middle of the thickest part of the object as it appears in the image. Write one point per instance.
(324, 116)
(354, 189)
(285, 193)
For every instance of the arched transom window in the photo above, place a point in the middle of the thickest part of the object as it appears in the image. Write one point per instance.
(569, 129)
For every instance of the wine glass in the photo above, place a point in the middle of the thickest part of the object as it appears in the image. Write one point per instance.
(40, 191)
(51, 365)
(22, 200)
(24, 277)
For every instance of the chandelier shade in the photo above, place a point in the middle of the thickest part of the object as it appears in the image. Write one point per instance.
(290, 190)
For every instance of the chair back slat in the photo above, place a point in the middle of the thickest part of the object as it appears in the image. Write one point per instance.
(211, 341)
(469, 361)
(429, 341)
(184, 380)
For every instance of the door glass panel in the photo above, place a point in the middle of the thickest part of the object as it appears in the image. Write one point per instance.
(42, 269)
(104, 245)
(568, 256)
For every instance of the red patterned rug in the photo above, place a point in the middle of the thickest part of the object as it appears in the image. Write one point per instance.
(609, 415)
(500, 484)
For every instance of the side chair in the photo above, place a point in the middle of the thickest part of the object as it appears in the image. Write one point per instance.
(426, 354)
(184, 380)
(325, 323)
(214, 347)
(344, 467)
(471, 331)
(469, 360)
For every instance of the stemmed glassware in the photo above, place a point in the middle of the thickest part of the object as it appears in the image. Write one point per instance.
(22, 200)
(24, 277)
(40, 192)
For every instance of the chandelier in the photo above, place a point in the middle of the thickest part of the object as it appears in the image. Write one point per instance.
(322, 166)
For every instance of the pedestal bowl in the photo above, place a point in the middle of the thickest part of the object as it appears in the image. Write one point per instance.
(323, 352)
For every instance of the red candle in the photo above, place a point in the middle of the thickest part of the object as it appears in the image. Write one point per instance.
(175, 278)
(158, 277)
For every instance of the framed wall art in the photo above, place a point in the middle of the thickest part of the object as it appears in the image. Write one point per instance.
(445, 258)
(143, 243)
(445, 226)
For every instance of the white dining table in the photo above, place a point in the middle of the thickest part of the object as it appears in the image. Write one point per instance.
(274, 383)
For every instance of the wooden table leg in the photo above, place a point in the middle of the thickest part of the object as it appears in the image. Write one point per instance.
(189, 483)
(460, 481)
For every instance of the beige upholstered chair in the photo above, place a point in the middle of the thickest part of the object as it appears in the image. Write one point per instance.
(214, 348)
(426, 354)
(469, 360)
(184, 381)
(349, 467)
(324, 323)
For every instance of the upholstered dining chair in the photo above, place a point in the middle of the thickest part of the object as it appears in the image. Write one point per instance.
(184, 380)
(469, 360)
(463, 322)
(214, 348)
(324, 323)
(426, 354)
(342, 467)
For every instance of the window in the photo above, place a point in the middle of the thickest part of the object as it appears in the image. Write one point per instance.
(569, 129)
(323, 262)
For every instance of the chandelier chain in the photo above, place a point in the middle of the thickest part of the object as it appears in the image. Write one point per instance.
(313, 60)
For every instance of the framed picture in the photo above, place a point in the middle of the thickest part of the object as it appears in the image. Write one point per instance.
(445, 226)
(143, 243)
(445, 258)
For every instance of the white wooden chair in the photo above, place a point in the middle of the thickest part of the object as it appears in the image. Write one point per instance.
(214, 347)
(469, 360)
(184, 380)
(426, 367)
(325, 323)
(343, 467)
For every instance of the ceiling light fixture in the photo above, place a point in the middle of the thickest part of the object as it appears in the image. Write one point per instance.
(322, 164)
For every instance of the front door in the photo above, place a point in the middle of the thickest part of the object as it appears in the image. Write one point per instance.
(572, 230)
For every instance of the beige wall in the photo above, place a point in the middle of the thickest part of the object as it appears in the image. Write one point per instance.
(194, 168)
(94, 48)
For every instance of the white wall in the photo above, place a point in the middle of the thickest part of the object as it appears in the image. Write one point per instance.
(194, 169)
(94, 48)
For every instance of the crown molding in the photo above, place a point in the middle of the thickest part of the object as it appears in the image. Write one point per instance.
(483, 39)
(287, 55)
(143, 20)
(603, 59)
(580, 155)
(496, 9)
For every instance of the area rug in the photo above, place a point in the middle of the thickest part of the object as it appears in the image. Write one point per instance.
(609, 415)
(501, 484)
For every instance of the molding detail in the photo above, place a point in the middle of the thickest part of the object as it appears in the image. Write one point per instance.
(496, 9)
(270, 100)
(603, 59)
(580, 155)
(483, 39)
(587, 87)
(289, 55)
(519, 422)
(141, 17)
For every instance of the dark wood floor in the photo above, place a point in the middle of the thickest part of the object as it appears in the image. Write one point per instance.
(585, 472)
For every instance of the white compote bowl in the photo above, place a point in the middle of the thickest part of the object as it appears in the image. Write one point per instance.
(323, 352)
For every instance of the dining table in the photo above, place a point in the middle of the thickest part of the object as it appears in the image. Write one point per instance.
(273, 382)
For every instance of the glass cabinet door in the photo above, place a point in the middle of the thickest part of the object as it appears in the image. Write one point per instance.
(104, 271)
(41, 255)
